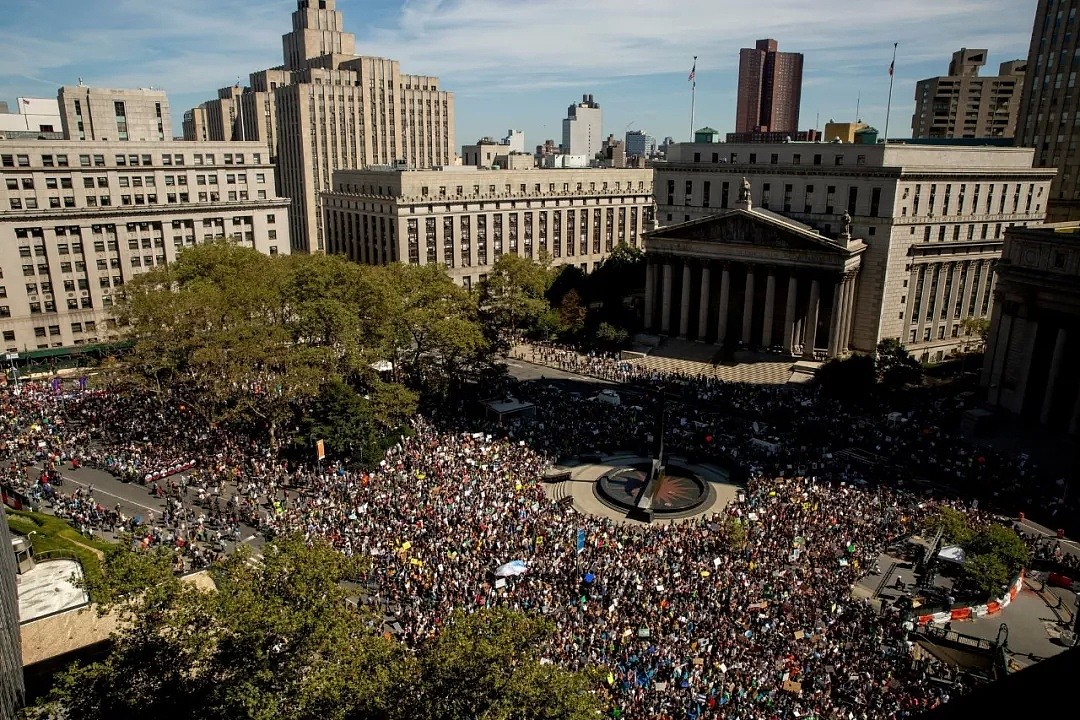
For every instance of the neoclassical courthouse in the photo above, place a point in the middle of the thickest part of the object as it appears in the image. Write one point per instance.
(778, 283)
(818, 248)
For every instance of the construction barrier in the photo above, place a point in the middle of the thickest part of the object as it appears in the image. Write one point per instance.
(968, 612)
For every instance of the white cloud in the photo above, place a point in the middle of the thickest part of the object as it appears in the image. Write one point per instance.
(511, 43)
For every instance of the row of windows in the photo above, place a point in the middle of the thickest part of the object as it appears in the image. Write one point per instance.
(24, 160)
(137, 199)
(733, 158)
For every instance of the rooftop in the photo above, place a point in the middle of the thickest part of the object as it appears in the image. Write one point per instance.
(49, 588)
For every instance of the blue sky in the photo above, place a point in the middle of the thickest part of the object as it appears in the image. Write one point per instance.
(519, 63)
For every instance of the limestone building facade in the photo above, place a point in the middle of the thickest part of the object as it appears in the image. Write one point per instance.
(466, 217)
(326, 109)
(82, 218)
(932, 219)
(1035, 327)
(108, 115)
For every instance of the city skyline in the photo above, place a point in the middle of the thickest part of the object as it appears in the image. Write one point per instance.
(524, 72)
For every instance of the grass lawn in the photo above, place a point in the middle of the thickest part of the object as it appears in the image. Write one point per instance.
(53, 533)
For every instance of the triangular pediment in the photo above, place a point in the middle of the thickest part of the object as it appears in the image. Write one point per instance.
(759, 228)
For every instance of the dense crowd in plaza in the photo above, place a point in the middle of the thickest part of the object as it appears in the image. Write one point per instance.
(692, 619)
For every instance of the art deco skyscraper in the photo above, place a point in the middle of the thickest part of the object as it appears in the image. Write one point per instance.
(328, 109)
(770, 89)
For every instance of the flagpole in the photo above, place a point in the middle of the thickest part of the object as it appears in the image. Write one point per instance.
(888, 106)
(693, 97)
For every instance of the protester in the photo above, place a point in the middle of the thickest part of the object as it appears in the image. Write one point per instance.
(746, 612)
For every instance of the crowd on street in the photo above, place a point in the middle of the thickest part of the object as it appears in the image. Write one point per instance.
(746, 612)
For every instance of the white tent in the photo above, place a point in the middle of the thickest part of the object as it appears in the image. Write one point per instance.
(952, 553)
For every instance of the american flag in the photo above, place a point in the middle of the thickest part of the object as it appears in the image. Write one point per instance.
(693, 71)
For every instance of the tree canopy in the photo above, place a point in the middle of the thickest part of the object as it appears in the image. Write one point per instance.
(278, 638)
(252, 339)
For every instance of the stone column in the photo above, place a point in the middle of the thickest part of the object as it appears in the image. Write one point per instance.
(997, 353)
(969, 289)
(650, 290)
(950, 302)
(684, 306)
(939, 301)
(665, 305)
(924, 301)
(810, 334)
(1055, 369)
(770, 309)
(848, 312)
(748, 306)
(703, 304)
(725, 299)
(980, 292)
(834, 318)
(789, 312)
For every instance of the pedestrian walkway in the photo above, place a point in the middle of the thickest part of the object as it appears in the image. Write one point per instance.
(674, 357)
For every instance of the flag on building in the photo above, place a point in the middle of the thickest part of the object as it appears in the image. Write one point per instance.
(693, 71)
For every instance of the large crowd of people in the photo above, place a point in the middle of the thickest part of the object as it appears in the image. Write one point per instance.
(746, 612)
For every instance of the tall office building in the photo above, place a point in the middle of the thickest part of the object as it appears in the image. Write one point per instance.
(331, 109)
(964, 105)
(639, 143)
(1051, 103)
(770, 89)
(582, 128)
(12, 689)
(105, 114)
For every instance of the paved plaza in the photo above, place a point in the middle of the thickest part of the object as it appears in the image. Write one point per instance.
(584, 475)
(697, 359)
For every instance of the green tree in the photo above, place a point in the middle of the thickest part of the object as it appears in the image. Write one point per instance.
(345, 421)
(512, 295)
(985, 574)
(1001, 542)
(954, 525)
(571, 313)
(895, 366)
(244, 335)
(277, 638)
(432, 330)
(610, 337)
(487, 665)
